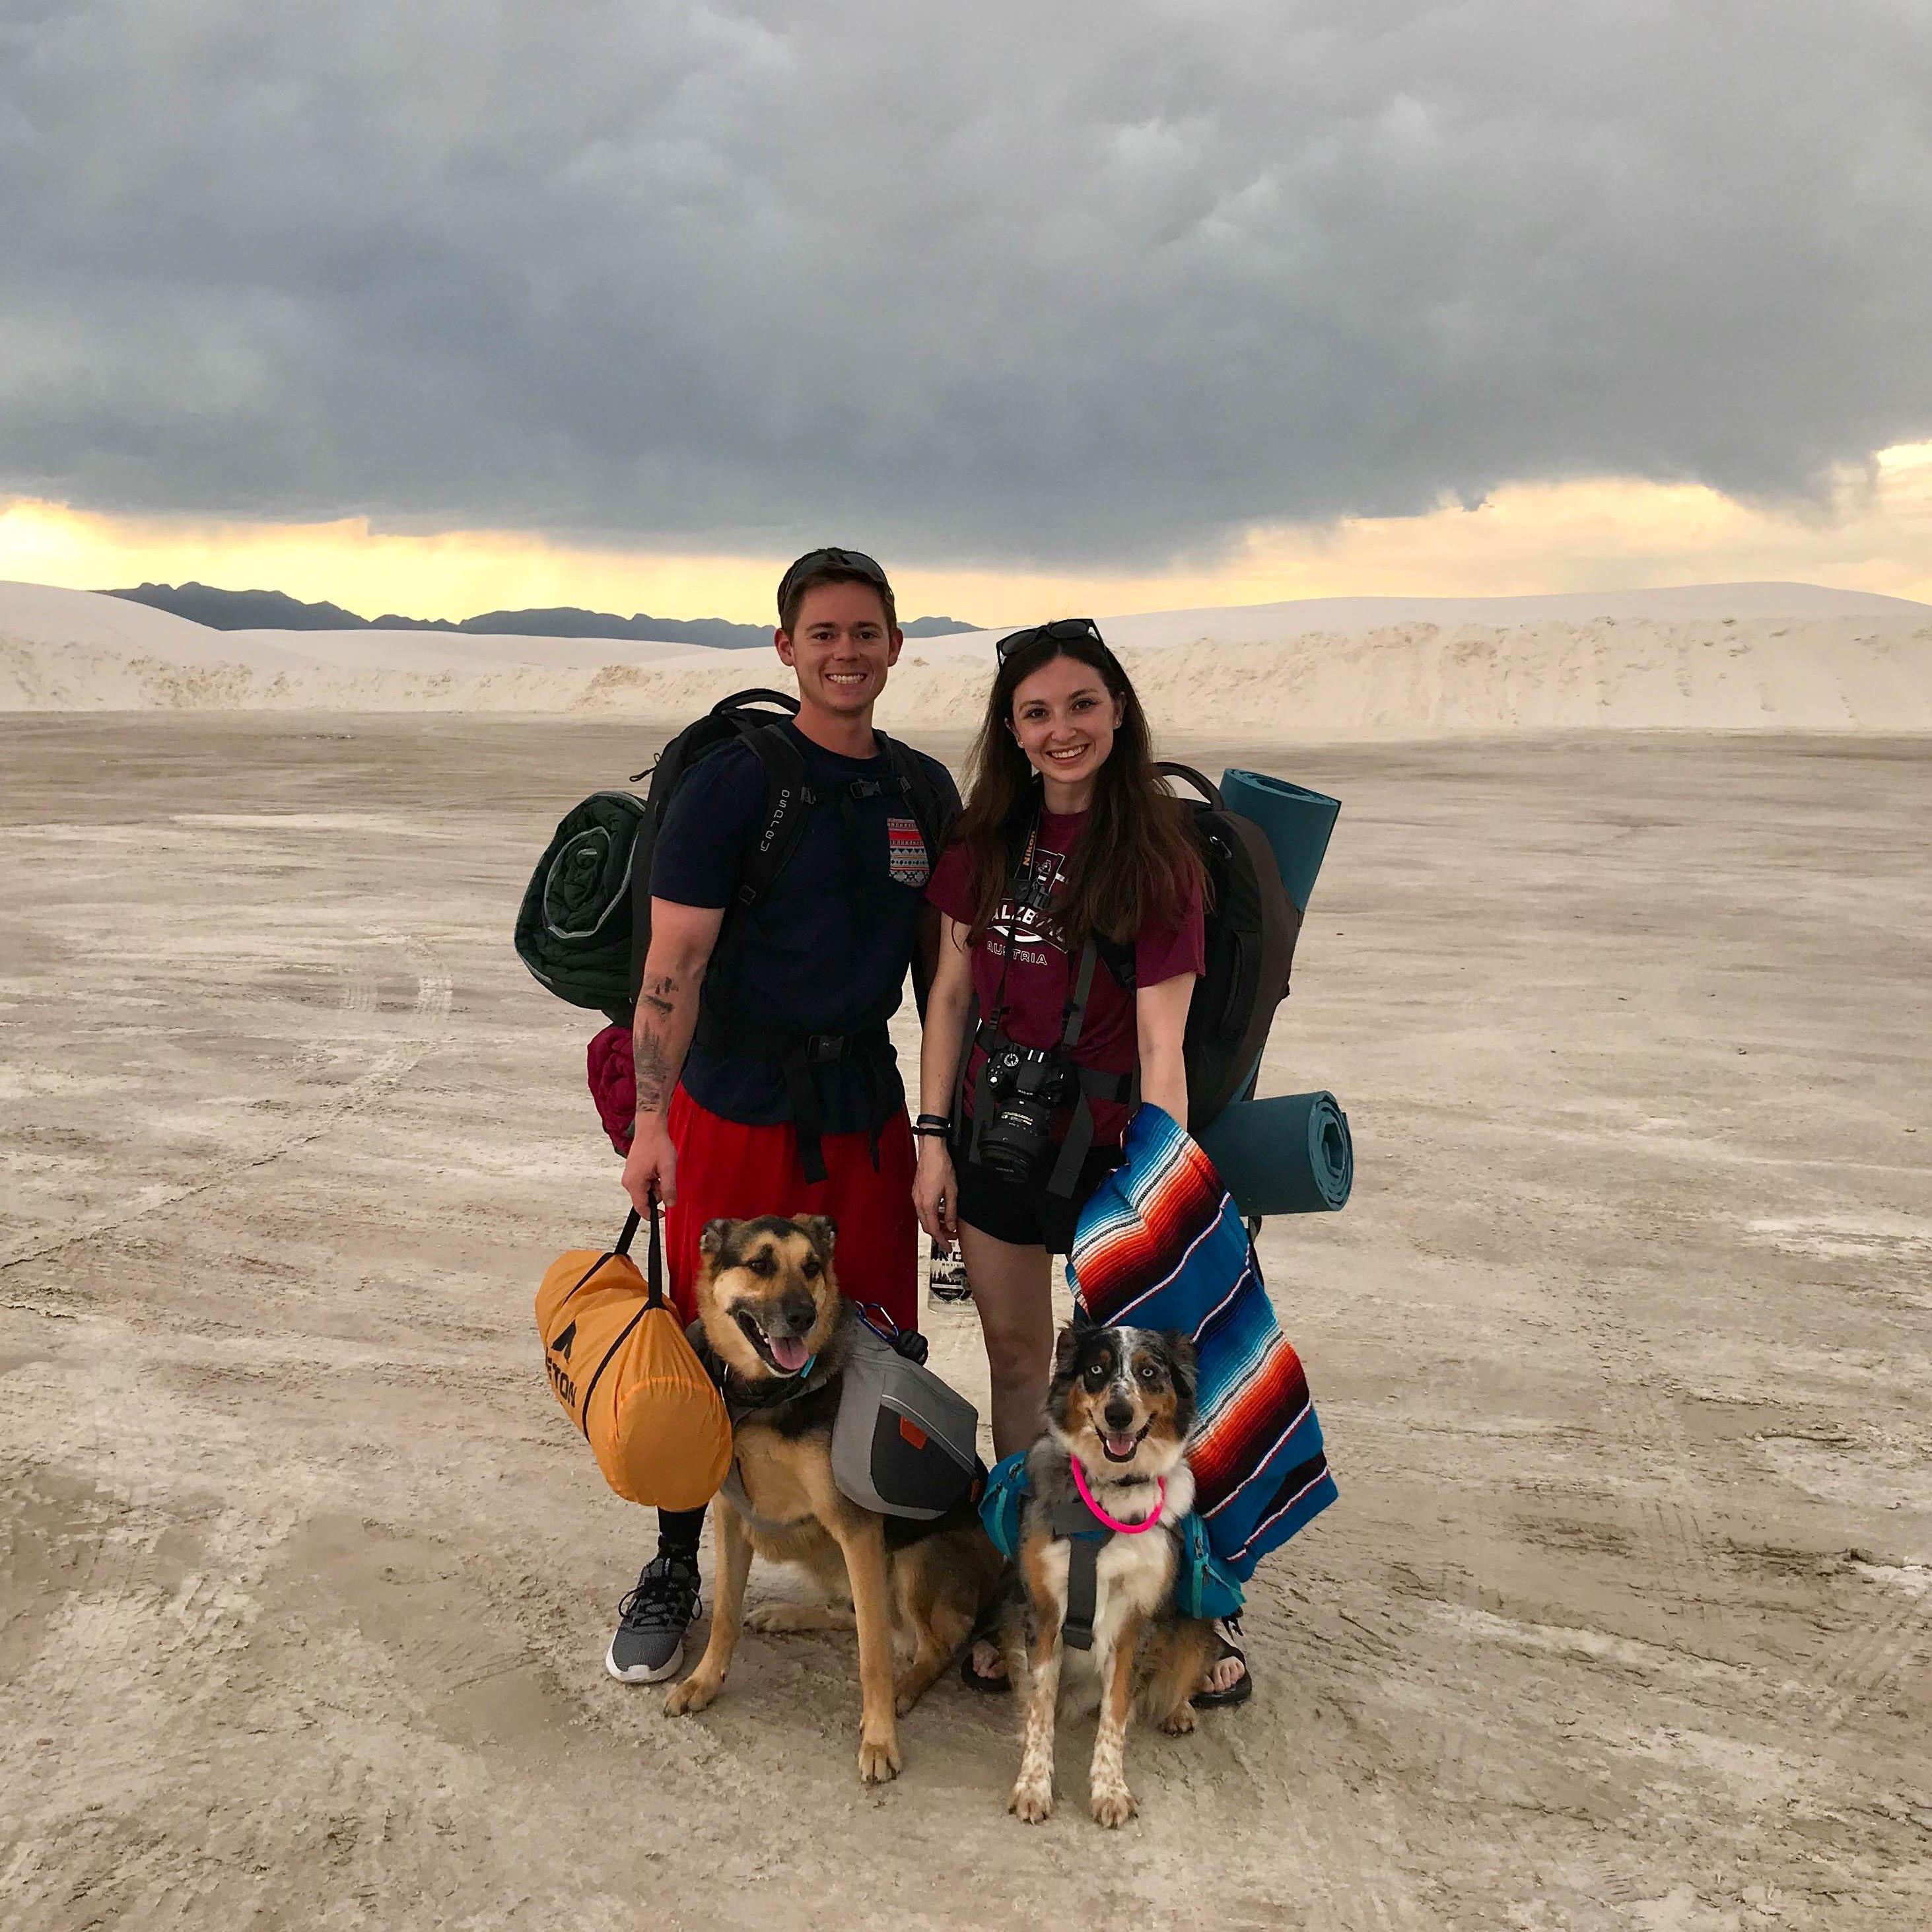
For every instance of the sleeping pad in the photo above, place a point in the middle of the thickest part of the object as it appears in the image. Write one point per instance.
(1296, 822)
(1288, 1155)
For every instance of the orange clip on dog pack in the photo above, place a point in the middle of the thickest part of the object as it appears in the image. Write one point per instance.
(620, 1364)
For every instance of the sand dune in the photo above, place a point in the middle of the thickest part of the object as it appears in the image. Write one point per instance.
(79, 650)
(1309, 617)
(1735, 657)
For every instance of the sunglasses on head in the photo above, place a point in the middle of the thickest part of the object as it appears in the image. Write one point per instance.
(1062, 630)
(855, 561)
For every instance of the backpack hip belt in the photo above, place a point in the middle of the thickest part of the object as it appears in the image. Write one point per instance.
(796, 1052)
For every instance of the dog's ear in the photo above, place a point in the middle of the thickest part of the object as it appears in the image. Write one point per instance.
(821, 1230)
(1065, 1352)
(712, 1237)
(1184, 1364)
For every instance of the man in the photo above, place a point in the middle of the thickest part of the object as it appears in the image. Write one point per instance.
(766, 1082)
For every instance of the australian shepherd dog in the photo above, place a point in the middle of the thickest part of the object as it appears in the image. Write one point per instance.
(1112, 1465)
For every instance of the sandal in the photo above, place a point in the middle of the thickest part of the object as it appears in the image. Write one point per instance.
(1238, 1692)
(974, 1680)
(985, 1631)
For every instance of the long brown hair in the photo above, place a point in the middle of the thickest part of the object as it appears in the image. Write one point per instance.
(1136, 860)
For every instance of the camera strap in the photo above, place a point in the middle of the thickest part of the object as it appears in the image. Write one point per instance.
(1092, 1083)
(1019, 884)
(1019, 887)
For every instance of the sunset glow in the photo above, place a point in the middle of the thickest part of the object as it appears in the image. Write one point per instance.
(1589, 534)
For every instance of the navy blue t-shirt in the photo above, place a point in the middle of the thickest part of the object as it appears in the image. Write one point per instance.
(829, 943)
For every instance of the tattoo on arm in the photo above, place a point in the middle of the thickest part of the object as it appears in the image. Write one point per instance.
(656, 1075)
(660, 994)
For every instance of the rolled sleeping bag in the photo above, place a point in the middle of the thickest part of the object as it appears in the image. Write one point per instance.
(1295, 821)
(574, 924)
(1289, 1155)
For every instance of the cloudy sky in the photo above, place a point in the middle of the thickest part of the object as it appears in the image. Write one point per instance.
(1140, 301)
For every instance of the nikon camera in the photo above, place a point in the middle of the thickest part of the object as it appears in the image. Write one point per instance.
(1018, 1091)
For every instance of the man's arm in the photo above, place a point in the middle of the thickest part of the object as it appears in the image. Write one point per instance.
(926, 937)
(681, 938)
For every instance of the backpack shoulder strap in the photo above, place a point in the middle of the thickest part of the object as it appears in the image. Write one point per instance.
(730, 720)
(1117, 956)
(788, 799)
(932, 811)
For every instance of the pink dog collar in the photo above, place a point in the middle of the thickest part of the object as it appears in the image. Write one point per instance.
(1114, 1522)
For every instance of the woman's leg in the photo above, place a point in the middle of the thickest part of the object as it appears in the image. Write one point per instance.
(1012, 1288)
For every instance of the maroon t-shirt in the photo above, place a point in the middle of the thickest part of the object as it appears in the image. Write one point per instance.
(1037, 982)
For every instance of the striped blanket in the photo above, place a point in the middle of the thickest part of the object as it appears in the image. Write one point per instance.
(1161, 1245)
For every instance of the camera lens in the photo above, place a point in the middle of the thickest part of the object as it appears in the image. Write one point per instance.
(1022, 1086)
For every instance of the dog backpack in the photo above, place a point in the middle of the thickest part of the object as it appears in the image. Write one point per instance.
(904, 1443)
(1002, 1501)
(1204, 1586)
(620, 1364)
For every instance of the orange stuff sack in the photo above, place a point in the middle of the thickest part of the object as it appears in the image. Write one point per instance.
(618, 1362)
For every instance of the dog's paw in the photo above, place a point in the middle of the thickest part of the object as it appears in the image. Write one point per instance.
(1114, 1806)
(1031, 1802)
(878, 1760)
(693, 1694)
(1179, 1723)
(908, 1687)
(787, 1619)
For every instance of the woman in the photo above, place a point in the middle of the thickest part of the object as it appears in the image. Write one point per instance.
(1072, 898)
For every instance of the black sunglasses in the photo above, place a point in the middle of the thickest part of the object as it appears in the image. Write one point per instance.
(855, 561)
(1062, 630)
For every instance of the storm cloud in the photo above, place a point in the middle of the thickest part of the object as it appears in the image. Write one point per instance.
(1088, 282)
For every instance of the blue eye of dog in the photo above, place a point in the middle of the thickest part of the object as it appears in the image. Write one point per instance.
(1097, 1373)
(1148, 1372)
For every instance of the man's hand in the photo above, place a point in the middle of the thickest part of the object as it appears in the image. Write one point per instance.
(935, 1189)
(651, 1166)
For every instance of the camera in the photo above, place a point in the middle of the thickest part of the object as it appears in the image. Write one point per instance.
(1018, 1090)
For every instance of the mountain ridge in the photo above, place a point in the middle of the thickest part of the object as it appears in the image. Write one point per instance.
(219, 609)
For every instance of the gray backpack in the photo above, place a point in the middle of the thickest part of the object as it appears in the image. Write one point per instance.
(904, 1443)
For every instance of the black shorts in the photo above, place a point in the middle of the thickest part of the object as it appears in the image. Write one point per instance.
(1028, 1217)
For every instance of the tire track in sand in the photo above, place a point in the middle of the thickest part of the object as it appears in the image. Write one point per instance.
(1879, 1656)
(435, 991)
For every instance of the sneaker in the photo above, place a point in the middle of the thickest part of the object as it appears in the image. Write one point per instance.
(651, 1620)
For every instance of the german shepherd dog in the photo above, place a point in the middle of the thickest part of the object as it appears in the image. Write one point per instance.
(1120, 1406)
(769, 1310)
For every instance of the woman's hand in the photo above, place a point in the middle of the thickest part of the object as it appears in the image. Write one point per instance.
(935, 1189)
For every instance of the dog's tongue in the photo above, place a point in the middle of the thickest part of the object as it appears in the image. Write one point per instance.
(789, 1353)
(1121, 1447)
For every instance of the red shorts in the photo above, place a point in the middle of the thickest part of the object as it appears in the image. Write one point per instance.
(727, 1171)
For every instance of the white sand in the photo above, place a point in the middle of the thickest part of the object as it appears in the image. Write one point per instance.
(1620, 1625)
(1726, 657)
